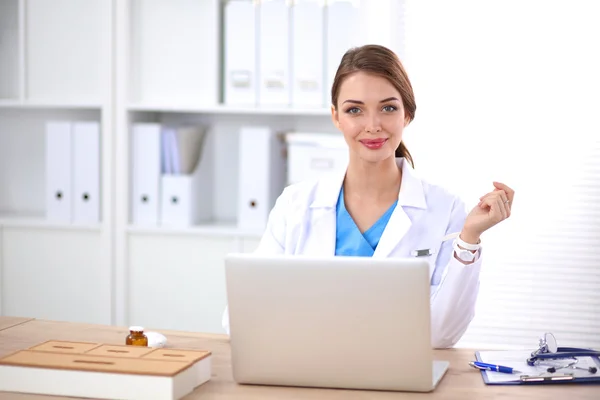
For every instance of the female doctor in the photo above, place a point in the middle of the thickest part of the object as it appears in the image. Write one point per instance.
(379, 207)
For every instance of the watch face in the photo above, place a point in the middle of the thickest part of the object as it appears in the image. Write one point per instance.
(466, 255)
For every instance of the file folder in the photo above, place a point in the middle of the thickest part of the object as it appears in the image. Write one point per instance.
(86, 172)
(186, 195)
(146, 152)
(59, 164)
(308, 68)
(274, 53)
(240, 52)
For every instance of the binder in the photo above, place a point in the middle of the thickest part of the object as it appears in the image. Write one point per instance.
(240, 52)
(146, 154)
(531, 375)
(86, 172)
(59, 163)
(262, 175)
(308, 71)
(342, 33)
(274, 53)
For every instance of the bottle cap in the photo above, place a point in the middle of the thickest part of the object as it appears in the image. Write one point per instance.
(136, 329)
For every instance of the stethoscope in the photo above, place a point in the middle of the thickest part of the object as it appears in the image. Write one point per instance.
(549, 350)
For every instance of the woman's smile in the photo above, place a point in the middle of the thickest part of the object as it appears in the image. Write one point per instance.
(373, 144)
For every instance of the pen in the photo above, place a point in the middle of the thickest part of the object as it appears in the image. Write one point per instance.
(493, 367)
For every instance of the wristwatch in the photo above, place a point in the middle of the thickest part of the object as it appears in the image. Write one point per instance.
(465, 251)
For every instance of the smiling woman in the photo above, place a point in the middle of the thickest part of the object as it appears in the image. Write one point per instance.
(370, 71)
(380, 207)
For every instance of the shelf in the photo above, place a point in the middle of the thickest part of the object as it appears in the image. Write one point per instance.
(17, 104)
(215, 229)
(19, 220)
(231, 110)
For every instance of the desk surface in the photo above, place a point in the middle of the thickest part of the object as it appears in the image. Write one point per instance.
(460, 383)
(9, 322)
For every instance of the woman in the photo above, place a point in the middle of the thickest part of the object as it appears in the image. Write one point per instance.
(379, 207)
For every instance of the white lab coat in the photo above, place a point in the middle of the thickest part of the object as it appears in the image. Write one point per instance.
(303, 221)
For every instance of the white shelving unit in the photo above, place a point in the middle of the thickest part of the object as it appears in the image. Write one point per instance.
(174, 277)
(55, 64)
(119, 62)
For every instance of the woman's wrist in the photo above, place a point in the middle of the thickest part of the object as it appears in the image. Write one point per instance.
(470, 237)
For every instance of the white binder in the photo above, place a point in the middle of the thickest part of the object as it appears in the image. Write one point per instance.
(343, 31)
(274, 53)
(308, 72)
(146, 173)
(262, 175)
(86, 172)
(240, 52)
(59, 163)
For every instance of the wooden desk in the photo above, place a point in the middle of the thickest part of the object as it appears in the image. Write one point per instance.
(460, 383)
(9, 322)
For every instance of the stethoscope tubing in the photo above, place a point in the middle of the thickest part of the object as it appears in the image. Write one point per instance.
(562, 352)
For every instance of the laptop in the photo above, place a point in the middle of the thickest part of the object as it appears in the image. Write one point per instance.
(333, 322)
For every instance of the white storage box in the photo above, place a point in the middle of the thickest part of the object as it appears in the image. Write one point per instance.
(100, 371)
(310, 155)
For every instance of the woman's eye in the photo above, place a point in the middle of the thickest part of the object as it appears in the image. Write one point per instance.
(352, 110)
(389, 108)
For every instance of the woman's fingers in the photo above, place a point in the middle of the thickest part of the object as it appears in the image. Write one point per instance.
(502, 197)
(509, 192)
(497, 208)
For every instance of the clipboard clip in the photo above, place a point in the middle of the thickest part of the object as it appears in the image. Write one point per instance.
(545, 378)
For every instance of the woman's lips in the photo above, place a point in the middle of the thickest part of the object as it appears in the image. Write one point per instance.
(373, 143)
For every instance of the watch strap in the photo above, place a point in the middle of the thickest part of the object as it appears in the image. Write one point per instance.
(467, 246)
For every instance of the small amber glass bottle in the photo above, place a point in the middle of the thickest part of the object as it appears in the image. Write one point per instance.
(136, 336)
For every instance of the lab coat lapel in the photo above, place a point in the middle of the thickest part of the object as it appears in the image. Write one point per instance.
(411, 198)
(396, 228)
(321, 229)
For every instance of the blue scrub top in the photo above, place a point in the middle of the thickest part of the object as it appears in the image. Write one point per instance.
(349, 241)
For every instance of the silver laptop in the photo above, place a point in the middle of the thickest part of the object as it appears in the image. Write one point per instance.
(337, 322)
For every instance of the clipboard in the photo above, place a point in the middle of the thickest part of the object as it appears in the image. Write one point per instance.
(532, 375)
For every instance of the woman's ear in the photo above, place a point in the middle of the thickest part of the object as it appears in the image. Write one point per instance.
(406, 121)
(335, 117)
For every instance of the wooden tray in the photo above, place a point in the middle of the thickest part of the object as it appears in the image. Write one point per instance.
(104, 371)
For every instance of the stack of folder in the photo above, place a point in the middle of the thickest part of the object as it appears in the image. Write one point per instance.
(73, 171)
(281, 54)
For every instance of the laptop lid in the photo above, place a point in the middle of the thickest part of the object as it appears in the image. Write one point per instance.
(345, 322)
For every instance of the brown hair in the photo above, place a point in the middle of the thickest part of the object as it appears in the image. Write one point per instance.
(381, 61)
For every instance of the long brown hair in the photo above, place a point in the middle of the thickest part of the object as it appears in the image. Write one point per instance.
(381, 61)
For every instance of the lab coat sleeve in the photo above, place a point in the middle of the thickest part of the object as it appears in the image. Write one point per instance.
(454, 288)
(272, 240)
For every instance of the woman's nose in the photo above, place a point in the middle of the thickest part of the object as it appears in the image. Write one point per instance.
(373, 125)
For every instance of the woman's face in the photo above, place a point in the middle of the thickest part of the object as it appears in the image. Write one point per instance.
(371, 116)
